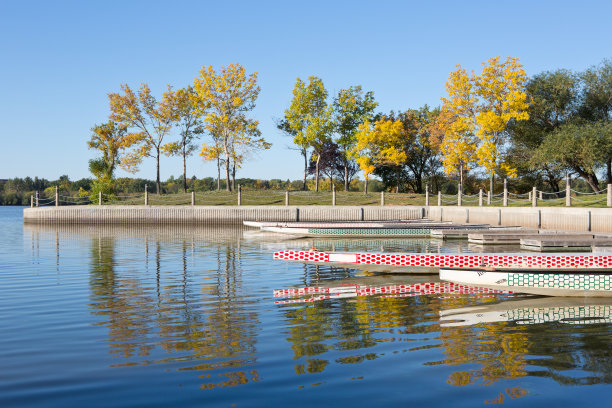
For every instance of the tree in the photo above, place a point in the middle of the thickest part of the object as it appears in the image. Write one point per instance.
(111, 139)
(225, 98)
(151, 121)
(500, 88)
(190, 127)
(554, 100)
(383, 142)
(476, 116)
(309, 117)
(456, 139)
(580, 146)
(351, 108)
(597, 101)
(283, 126)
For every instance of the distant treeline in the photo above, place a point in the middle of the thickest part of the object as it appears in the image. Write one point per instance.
(17, 191)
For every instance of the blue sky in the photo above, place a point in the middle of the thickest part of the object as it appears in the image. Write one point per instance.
(60, 59)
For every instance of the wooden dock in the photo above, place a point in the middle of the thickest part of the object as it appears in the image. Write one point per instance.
(574, 243)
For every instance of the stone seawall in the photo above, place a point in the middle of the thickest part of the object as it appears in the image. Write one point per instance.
(569, 219)
(555, 218)
(108, 214)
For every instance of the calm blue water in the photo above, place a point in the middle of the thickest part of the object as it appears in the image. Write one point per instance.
(131, 316)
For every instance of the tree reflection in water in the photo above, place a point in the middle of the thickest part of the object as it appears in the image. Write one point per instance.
(148, 307)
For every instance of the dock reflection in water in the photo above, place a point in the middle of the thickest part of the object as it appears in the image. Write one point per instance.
(191, 308)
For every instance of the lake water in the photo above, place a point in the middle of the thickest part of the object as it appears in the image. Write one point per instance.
(133, 316)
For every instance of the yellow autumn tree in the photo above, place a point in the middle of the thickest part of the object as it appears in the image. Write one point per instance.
(475, 116)
(380, 144)
(456, 123)
(150, 121)
(190, 128)
(223, 98)
(501, 99)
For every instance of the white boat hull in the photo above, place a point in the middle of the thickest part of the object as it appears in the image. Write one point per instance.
(579, 283)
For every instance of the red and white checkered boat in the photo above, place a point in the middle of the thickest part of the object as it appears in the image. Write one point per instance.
(424, 262)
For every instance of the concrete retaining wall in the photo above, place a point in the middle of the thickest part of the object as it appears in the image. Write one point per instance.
(92, 214)
(569, 219)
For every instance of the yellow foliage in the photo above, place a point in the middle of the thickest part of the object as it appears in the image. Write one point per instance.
(476, 114)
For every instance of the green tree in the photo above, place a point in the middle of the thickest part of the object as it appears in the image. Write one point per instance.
(597, 101)
(311, 118)
(351, 108)
(554, 99)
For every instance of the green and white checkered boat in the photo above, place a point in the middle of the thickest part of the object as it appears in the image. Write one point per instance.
(577, 282)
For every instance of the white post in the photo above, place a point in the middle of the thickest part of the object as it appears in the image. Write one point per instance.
(192, 198)
(239, 194)
(459, 195)
(31, 201)
(534, 197)
(146, 194)
(480, 197)
(609, 200)
(56, 196)
(426, 195)
(333, 195)
(439, 198)
(287, 197)
(382, 198)
(505, 203)
(37, 203)
(99, 198)
(488, 198)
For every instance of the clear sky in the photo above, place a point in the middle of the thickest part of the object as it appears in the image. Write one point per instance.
(60, 59)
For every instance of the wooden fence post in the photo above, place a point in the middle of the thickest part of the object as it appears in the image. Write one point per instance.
(192, 198)
(56, 196)
(534, 197)
(439, 198)
(287, 197)
(382, 198)
(146, 194)
(239, 194)
(480, 197)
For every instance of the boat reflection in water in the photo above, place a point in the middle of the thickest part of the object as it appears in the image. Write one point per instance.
(532, 310)
(388, 286)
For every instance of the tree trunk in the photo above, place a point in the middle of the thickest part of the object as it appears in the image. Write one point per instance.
(234, 175)
(399, 172)
(228, 187)
(157, 182)
(589, 177)
(218, 174)
(346, 182)
(317, 174)
(491, 183)
(305, 154)
(184, 171)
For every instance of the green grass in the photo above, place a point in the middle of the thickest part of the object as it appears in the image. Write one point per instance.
(301, 198)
